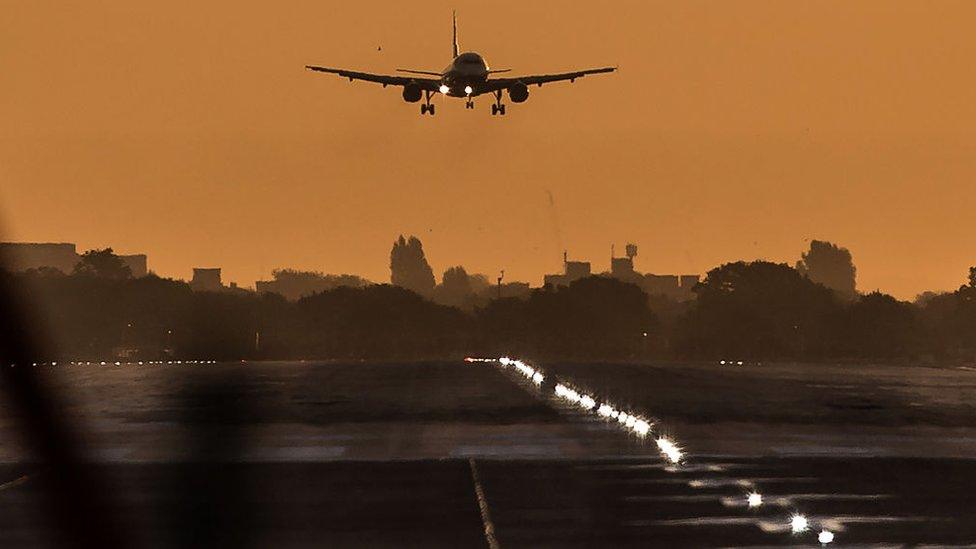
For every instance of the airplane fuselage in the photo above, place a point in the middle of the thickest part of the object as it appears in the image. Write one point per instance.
(463, 77)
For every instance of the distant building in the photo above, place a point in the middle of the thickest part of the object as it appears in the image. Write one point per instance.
(206, 280)
(677, 287)
(136, 264)
(572, 271)
(622, 268)
(23, 256)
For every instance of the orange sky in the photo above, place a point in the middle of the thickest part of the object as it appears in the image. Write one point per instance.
(190, 131)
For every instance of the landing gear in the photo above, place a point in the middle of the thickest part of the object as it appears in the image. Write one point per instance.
(469, 104)
(498, 108)
(426, 107)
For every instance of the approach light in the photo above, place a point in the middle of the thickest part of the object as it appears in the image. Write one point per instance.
(825, 537)
(468, 90)
(754, 499)
(798, 523)
(445, 89)
(669, 449)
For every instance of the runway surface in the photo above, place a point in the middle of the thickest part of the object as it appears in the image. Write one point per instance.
(471, 455)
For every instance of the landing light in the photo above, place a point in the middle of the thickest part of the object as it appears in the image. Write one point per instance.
(798, 523)
(445, 89)
(825, 537)
(468, 90)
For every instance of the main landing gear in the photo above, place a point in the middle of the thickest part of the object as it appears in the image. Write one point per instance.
(498, 108)
(426, 107)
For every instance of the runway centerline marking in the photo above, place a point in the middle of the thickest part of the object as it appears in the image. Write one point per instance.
(479, 491)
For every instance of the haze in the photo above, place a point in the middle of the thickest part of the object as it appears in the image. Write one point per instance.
(734, 130)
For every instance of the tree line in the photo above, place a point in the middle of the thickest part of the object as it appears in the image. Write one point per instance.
(743, 311)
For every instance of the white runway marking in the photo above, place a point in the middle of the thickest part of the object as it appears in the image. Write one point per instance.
(674, 498)
(689, 468)
(744, 482)
(483, 507)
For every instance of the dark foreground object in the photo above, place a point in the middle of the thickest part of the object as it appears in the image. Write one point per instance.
(562, 503)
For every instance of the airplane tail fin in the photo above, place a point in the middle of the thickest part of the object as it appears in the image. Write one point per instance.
(457, 48)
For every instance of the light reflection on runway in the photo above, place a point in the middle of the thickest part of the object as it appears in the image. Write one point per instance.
(750, 499)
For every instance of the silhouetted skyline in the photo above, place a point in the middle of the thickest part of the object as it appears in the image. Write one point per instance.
(732, 130)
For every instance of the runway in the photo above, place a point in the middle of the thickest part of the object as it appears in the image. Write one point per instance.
(593, 503)
(312, 454)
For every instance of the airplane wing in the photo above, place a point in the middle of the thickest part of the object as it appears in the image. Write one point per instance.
(430, 84)
(540, 79)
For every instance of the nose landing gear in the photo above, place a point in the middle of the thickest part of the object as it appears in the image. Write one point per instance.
(498, 108)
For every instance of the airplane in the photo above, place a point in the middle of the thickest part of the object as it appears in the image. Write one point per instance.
(468, 76)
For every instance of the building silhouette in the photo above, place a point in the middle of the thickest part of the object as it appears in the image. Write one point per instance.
(63, 256)
(206, 280)
(23, 256)
(572, 271)
(137, 264)
(677, 287)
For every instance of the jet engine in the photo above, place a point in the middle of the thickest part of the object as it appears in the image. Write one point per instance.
(519, 92)
(411, 93)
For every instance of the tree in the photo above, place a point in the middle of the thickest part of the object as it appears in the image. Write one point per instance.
(826, 263)
(758, 310)
(103, 264)
(293, 284)
(379, 321)
(594, 317)
(455, 288)
(879, 326)
(950, 320)
(409, 268)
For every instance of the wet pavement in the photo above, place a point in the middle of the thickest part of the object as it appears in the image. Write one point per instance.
(315, 454)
